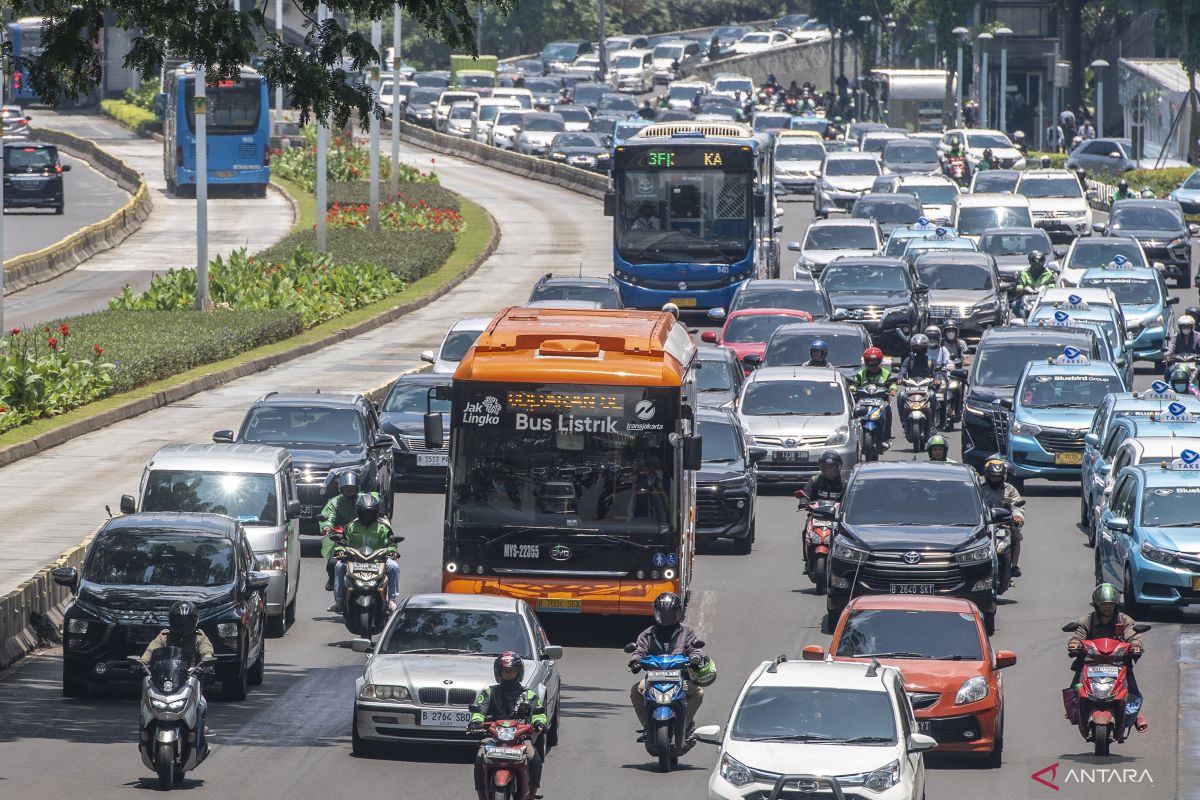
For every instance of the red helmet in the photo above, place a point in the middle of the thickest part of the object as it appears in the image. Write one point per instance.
(873, 357)
(508, 660)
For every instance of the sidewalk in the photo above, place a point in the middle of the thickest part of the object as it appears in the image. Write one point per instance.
(167, 239)
(54, 499)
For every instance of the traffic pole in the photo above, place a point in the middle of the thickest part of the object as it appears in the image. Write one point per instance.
(396, 61)
(279, 88)
(200, 107)
(322, 148)
(373, 218)
(2, 328)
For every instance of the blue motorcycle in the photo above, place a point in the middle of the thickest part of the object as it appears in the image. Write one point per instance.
(871, 409)
(666, 704)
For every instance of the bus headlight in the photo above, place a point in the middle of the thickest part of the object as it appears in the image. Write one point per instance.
(452, 568)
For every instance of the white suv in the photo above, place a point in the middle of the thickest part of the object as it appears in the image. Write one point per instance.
(803, 726)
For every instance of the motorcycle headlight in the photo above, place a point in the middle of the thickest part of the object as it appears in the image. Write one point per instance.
(661, 697)
(272, 560)
(735, 771)
(975, 555)
(1025, 428)
(840, 436)
(879, 780)
(972, 691)
(168, 705)
(506, 734)
(845, 552)
(1156, 555)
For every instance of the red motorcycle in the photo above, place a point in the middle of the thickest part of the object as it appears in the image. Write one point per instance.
(506, 761)
(957, 170)
(818, 530)
(1100, 704)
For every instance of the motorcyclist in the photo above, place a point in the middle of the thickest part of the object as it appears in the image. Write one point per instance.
(338, 513)
(1184, 342)
(771, 83)
(183, 631)
(939, 354)
(1180, 382)
(508, 699)
(1036, 276)
(669, 636)
(818, 354)
(938, 449)
(828, 485)
(647, 110)
(918, 365)
(1018, 140)
(873, 371)
(987, 162)
(1123, 192)
(999, 493)
(714, 48)
(366, 529)
(953, 343)
(1106, 622)
(793, 89)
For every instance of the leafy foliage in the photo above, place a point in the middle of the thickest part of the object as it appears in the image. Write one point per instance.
(397, 216)
(345, 161)
(143, 96)
(411, 255)
(44, 373)
(131, 116)
(349, 193)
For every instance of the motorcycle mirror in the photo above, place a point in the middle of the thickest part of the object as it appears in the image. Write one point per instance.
(1070, 626)
(629, 648)
(701, 643)
(1141, 628)
(799, 494)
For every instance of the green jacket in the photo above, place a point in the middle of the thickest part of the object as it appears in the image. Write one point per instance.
(862, 377)
(490, 705)
(338, 512)
(1119, 195)
(358, 535)
(983, 166)
(1026, 279)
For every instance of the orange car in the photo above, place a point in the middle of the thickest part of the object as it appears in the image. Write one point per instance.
(951, 673)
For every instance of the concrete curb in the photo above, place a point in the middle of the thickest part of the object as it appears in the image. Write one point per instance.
(63, 256)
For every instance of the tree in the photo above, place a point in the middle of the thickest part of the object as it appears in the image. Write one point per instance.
(217, 35)
(947, 15)
(1179, 19)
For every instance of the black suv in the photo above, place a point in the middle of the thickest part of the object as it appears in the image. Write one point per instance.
(884, 295)
(402, 414)
(326, 434)
(996, 367)
(1159, 227)
(599, 290)
(33, 176)
(136, 567)
(912, 528)
(727, 484)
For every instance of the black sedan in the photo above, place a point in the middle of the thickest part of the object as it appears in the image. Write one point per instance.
(402, 414)
(727, 484)
(588, 151)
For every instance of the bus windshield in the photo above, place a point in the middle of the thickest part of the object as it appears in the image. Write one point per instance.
(684, 216)
(554, 458)
(233, 109)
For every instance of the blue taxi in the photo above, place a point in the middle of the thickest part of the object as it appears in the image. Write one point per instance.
(1051, 410)
(897, 240)
(1108, 318)
(1148, 544)
(1144, 302)
(916, 247)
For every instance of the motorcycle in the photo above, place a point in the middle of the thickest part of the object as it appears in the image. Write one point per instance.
(666, 705)
(1022, 304)
(169, 729)
(1008, 545)
(506, 760)
(871, 409)
(915, 397)
(958, 171)
(951, 407)
(1100, 704)
(818, 530)
(1190, 363)
(366, 585)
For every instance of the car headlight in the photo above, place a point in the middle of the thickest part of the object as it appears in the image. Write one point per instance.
(845, 552)
(806, 263)
(733, 483)
(879, 780)
(77, 626)
(558, 156)
(374, 691)
(1157, 555)
(972, 691)
(979, 411)
(227, 630)
(603, 157)
(1182, 240)
(840, 436)
(272, 560)
(1156, 321)
(1025, 428)
(735, 771)
(975, 555)
(987, 305)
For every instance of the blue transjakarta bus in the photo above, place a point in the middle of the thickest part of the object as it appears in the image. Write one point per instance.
(238, 130)
(693, 214)
(26, 37)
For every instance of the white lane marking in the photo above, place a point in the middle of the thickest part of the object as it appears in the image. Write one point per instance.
(707, 613)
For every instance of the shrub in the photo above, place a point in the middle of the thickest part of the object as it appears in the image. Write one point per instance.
(143, 96)
(397, 217)
(1160, 181)
(1033, 160)
(411, 255)
(44, 373)
(137, 119)
(353, 193)
(345, 161)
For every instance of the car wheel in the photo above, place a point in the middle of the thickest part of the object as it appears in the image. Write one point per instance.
(234, 688)
(289, 611)
(1129, 597)
(254, 675)
(744, 545)
(1084, 519)
(1185, 280)
(58, 210)
(277, 625)
(359, 746)
(989, 622)
(552, 731)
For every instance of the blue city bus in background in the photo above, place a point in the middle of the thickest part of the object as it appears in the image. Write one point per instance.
(238, 129)
(26, 37)
(693, 214)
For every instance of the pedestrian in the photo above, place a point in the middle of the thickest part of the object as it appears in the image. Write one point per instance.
(1066, 120)
(1087, 130)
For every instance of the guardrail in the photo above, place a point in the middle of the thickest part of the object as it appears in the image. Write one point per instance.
(67, 253)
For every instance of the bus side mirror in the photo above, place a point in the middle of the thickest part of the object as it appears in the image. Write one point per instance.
(610, 203)
(760, 203)
(692, 453)
(160, 105)
(434, 435)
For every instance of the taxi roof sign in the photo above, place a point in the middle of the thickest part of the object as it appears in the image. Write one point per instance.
(1120, 262)
(1188, 460)
(1062, 319)
(1176, 412)
(921, 222)
(1070, 355)
(1159, 390)
(1074, 303)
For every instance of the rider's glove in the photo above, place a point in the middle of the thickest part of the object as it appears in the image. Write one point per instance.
(696, 662)
(1136, 651)
(635, 665)
(539, 726)
(474, 726)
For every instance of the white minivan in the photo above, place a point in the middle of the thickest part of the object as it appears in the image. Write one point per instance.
(972, 214)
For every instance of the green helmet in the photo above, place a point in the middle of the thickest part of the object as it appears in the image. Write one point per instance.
(937, 440)
(1104, 593)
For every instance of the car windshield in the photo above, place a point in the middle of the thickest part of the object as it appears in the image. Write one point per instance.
(423, 96)
(743, 85)
(793, 398)
(931, 634)
(792, 350)
(851, 166)
(974, 221)
(617, 102)
(669, 51)
(607, 298)
(477, 81)
(461, 111)
(799, 152)
(625, 130)
(509, 117)
(1130, 291)
(1145, 218)
(713, 375)
(457, 344)
(900, 500)
(940, 275)
(1001, 364)
(763, 122)
(1014, 244)
(589, 94)
(560, 51)
(932, 194)
(304, 426)
(442, 630)
(1068, 391)
(748, 328)
(684, 92)
(994, 141)
(721, 442)
(541, 86)
(576, 140)
(864, 278)
(841, 237)
(1000, 182)
(543, 125)
(1087, 255)
(149, 557)
(1051, 187)
(810, 300)
(887, 212)
(628, 62)
(414, 398)
(488, 112)
(1170, 506)
(251, 498)
(909, 153)
(801, 713)
(573, 113)
(756, 38)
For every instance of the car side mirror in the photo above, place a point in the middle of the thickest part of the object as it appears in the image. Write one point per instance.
(709, 336)
(361, 645)
(293, 509)
(1006, 286)
(778, 227)
(128, 504)
(794, 246)
(1005, 658)
(920, 743)
(1005, 402)
(813, 652)
(427, 356)
(758, 454)
(752, 360)
(1091, 440)
(552, 653)
(258, 581)
(434, 431)
(840, 314)
(1193, 229)
(66, 167)
(693, 450)
(716, 314)
(65, 576)
(223, 437)
(1097, 227)
(1172, 300)
(383, 440)
(1119, 524)
(709, 734)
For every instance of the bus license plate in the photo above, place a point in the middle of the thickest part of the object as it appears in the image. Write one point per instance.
(431, 459)
(912, 588)
(445, 719)
(564, 604)
(1068, 459)
(791, 456)
(684, 302)
(225, 173)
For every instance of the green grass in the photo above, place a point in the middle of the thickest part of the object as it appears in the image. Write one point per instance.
(471, 243)
(128, 115)
(306, 203)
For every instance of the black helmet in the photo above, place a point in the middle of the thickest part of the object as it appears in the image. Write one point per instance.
(348, 479)
(1045, 162)
(934, 333)
(818, 346)
(1123, 184)
(367, 509)
(1037, 259)
(1192, 311)
(919, 344)
(183, 618)
(995, 467)
(668, 610)
(987, 153)
(830, 458)
(950, 331)
(1180, 380)
(508, 660)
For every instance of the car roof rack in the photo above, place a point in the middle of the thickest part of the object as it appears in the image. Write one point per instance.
(780, 659)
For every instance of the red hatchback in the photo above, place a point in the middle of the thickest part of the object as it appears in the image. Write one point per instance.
(747, 332)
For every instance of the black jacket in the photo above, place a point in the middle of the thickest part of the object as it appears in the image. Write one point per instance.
(821, 488)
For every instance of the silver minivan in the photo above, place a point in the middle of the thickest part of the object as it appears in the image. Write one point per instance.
(255, 485)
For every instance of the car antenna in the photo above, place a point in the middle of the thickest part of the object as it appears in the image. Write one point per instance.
(581, 267)
(873, 669)
(780, 659)
(109, 510)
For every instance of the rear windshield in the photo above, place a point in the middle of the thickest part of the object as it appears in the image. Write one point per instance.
(19, 159)
(414, 398)
(233, 110)
(792, 350)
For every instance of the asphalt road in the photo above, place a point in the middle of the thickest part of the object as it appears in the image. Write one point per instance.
(89, 197)
(292, 736)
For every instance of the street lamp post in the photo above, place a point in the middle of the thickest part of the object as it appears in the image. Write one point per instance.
(960, 34)
(984, 40)
(1098, 67)
(396, 62)
(322, 163)
(1002, 117)
(373, 156)
(600, 46)
(200, 112)
(891, 51)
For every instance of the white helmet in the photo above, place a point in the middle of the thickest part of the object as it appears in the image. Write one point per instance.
(1186, 321)
(674, 309)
